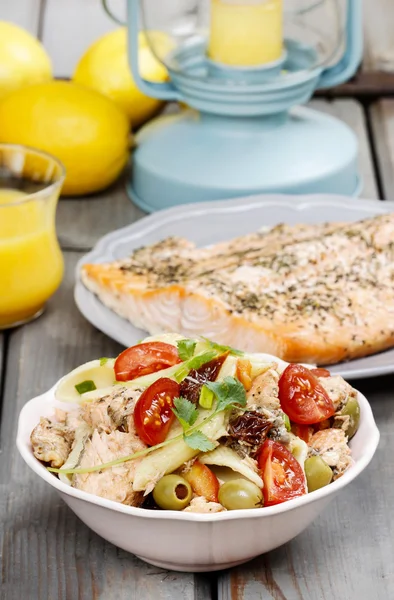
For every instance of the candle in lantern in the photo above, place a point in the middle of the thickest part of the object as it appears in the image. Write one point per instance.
(246, 33)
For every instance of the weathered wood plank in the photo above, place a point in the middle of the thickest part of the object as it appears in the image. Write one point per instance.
(75, 25)
(366, 85)
(81, 222)
(382, 115)
(2, 353)
(379, 23)
(70, 26)
(347, 553)
(351, 112)
(46, 552)
(25, 13)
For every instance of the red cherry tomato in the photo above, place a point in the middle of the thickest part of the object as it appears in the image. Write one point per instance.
(144, 359)
(153, 412)
(302, 397)
(321, 372)
(304, 432)
(282, 474)
(203, 481)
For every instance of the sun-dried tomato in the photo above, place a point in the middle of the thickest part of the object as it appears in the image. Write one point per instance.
(190, 387)
(250, 428)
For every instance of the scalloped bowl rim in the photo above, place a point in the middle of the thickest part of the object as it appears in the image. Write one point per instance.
(33, 409)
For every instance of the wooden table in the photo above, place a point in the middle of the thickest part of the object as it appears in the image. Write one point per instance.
(47, 553)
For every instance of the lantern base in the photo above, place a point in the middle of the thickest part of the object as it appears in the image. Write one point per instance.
(195, 157)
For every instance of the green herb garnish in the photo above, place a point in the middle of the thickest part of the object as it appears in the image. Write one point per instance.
(206, 398)
(222, 349)
(103, 361)
(193, 363)
(200, 360)
(186, 349)
(185, 412)
(85, 386)
(187, 415)
(229, 393)
(199, 441)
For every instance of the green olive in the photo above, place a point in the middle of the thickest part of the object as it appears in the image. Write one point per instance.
(352, 409)
(318, 473)
(172, 492)
(240, 493)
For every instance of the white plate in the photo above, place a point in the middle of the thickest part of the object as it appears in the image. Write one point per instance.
(209, 223)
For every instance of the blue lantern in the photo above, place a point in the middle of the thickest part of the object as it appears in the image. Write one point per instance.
(243, 68)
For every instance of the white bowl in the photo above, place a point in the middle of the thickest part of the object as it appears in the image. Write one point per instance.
(188, 541)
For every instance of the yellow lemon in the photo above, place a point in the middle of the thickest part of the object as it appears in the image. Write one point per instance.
(88, 132)
(23, 60)
(104, 67)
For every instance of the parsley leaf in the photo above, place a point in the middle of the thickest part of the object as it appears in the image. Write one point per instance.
(222, 349)
(185, 412)
(229, 392)
(103, 361)
(186, 349)
(199, 441)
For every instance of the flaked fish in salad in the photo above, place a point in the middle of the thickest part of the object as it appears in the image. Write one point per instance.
(188, 424)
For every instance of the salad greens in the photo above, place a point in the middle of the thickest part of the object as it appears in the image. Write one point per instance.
(220, 348)
(193, 364)
(229, 393)
(186, 349)
(185, 412)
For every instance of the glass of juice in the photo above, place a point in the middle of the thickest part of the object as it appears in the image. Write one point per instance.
(31, 262)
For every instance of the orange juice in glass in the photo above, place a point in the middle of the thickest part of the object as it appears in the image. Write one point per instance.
(31, 262)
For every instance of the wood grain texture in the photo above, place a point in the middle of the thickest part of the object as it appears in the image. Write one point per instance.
(2, 364)
(378, 27)
(351, 112)
(347, 553)
(46, 552)
(75, 24)
(70, 26)
(25, 13)
(82, 221)
(382, 115)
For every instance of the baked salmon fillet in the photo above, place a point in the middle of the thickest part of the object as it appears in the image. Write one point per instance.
(306, 293)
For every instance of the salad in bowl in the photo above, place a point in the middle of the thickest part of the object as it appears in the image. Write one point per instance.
(176, 424)
(194, 456)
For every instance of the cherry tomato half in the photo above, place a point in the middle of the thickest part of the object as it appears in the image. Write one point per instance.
(321, 372)
(302, 397)
(153, 412)
(143, 359)
(282, 474)
(203, 481)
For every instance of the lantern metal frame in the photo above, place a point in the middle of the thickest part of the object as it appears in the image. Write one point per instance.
(249, 138)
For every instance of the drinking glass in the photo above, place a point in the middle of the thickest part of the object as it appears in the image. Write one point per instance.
(31, 262)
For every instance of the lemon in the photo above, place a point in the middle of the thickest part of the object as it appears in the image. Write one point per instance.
(104, 67)
(23, 59)
(84, 129)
